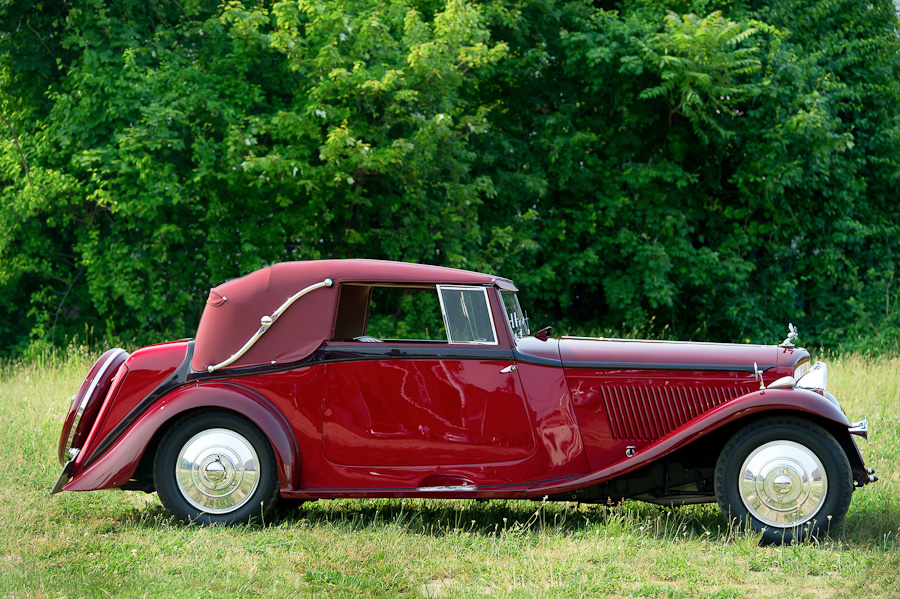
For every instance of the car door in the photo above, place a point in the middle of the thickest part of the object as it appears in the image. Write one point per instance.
(421, 402)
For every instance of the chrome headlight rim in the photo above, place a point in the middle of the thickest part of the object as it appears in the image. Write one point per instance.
(816, 379)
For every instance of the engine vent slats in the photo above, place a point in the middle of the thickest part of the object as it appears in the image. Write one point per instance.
(644, 413)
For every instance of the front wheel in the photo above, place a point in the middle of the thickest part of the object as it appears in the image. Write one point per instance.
(786, 477)
(215, 467)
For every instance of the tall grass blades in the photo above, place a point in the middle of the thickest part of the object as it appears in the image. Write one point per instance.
(122, 544)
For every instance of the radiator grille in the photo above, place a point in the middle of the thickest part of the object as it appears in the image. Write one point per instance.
(648, 413)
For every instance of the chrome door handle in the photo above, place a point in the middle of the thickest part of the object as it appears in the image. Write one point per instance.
(508, 369)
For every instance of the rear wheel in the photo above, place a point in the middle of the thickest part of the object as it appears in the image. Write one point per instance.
(216, 467)
(786, 477)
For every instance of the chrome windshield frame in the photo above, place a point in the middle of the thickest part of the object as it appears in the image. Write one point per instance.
(445, 315)
(515, 330)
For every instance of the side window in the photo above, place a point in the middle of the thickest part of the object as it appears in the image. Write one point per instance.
(467, 314)
(406, 313)
(438, 313)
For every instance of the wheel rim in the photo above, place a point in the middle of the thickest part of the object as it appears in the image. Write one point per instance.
(217, 471)
(783, 484)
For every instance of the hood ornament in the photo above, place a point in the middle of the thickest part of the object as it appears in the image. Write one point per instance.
(792, 334)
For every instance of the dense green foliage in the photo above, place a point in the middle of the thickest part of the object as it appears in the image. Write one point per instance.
(705, 169)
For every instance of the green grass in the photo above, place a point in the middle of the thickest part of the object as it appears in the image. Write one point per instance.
(122, 544)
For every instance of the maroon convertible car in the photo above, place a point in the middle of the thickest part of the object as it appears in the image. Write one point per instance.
(363, 378)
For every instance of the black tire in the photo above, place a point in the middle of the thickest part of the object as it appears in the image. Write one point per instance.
(216, 468)
(786, 477)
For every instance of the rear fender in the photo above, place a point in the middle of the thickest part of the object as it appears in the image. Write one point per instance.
(797, 402)
(118, 464)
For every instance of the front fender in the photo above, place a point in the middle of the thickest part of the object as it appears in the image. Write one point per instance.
(118, 464)
(799, 401)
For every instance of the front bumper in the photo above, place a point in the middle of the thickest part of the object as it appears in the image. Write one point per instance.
(861, 429)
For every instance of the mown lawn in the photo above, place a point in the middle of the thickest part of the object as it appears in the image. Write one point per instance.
(121, 544)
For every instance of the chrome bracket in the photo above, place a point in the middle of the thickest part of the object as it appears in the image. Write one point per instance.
(267, 321)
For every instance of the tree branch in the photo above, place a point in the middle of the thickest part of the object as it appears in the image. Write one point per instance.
(15, 142)
(40, 39)
(62, 303)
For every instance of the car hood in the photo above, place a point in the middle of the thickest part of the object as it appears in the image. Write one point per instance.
(631, 354)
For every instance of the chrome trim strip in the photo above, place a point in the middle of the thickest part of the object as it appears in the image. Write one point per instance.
(697, 367)
(100, 373)
(266, 322)
(88, 394)
(378, 351)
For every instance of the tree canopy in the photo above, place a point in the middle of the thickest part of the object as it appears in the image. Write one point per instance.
(688, 168)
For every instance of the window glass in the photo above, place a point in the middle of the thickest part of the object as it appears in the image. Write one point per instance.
(467, 314)
(518, 322)
(405, 313)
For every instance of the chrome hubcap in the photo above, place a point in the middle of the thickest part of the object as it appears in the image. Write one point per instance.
(217, 471)
(783, 484)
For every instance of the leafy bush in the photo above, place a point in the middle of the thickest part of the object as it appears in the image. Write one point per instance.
(711, 170)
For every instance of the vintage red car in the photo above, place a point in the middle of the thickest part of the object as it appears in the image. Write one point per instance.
(364, 378)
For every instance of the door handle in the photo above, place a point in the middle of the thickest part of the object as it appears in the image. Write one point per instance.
(508, 369)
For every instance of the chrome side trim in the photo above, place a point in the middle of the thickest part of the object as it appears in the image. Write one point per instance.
(87, 396)
(267, 321)
(100, 373)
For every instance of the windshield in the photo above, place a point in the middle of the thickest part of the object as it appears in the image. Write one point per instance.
(518, 322)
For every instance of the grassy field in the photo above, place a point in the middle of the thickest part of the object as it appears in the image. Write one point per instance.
(121, 544)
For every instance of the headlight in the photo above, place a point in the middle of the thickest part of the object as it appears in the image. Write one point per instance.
(816, 379)
(801, 369)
